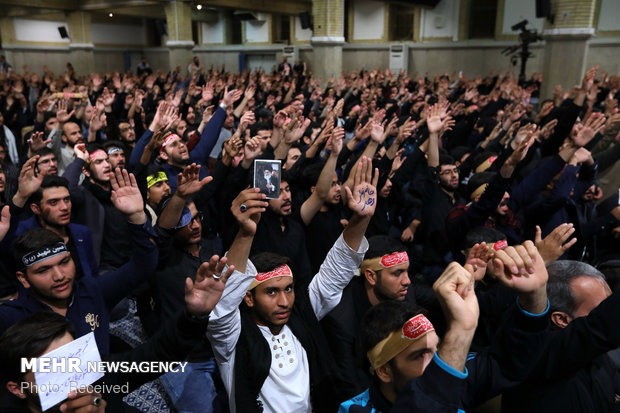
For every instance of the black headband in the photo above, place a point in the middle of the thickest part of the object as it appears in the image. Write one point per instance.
(44, 253)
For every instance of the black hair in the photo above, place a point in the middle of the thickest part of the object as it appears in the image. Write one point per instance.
(445, 159)
(49, 181)
(31, 240)
(480, 234)
(385, 317)
(44, 151)
(259, 126)
(113, 144)
(380, 245)
(268, 261)
(28, 338)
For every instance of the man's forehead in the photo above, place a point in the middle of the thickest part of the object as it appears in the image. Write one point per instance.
(55, 191)
(280, 282)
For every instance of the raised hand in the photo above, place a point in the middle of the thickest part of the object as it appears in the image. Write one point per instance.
(363, 200)
(455, 291)
(188, 182)
(80, 151)
(126, 196)
(202, 294)
(583, 133)
(335, 141)
(231, 97)
(433, 119)
(478, 259)
(376, 132)
(523, 269)
(36, 142)
(5, 221)
(554, 245)
(296, 131)
(61, 112)
(207, 92)
(108, 97)
(29, 180)
(254, 204)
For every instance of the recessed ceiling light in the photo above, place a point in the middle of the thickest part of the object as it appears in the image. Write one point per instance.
(111, 14)
(199, 7)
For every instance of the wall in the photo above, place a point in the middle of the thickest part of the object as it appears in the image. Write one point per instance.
(118, 34)
(213, 33)
(257, 31)
(368, 20)
(445, 15)
(301, 35)
(40, 31)
(608, 18)
(517, 10)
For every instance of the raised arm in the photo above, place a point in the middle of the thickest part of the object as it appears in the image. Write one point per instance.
(225, 321)
(346, 255)
(313, 204)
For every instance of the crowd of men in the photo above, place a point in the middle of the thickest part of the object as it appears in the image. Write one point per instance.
(435, 241)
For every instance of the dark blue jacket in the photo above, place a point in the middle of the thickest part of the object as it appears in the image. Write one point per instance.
(93, 297)
(199, 154)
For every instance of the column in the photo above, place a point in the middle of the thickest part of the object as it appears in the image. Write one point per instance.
(180, 42)
(566, 45)
(81, 46)
(328, 37)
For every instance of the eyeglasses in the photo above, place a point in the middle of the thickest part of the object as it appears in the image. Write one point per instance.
(450, 171)
(197, 218)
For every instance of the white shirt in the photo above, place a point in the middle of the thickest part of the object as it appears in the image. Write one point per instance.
(325, 291)
(287, 388)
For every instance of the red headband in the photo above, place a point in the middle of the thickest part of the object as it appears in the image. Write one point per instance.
(167, 141)
(500, 245)
(283, 271)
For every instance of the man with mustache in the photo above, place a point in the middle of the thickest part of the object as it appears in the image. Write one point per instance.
(94, 208)
(182, 250)
(49, 200)
(280, 233)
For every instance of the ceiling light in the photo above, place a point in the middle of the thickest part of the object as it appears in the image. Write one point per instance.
(199, 7)
(111, 14)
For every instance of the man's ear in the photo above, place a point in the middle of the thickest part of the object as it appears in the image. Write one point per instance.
(63, 138)
(371, 277)
(560, 319)
(163, 155)
(312, 188)
(15, 389)
(22, 279)
(384, 373)
(249, 299)
(35, 209)
(86, 171)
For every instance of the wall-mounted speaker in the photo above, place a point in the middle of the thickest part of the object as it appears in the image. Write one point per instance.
(63, 32)
(306, 20)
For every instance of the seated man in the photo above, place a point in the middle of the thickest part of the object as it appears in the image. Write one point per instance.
(578, 370)
(47, 272)
(271, 353)
(44, 331)
(411, 374)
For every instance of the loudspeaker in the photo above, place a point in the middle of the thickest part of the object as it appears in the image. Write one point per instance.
(63, 32)
(160, 28)
(306, 20)
(543, 8)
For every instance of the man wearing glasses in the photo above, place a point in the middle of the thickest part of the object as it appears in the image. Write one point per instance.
(441, 197)
(182, 250)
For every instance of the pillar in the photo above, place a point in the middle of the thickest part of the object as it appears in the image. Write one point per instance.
(180, 42)
(328, 37)
(566, 44)
(81, 46)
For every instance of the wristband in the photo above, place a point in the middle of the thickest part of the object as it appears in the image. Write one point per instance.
(223, 105)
